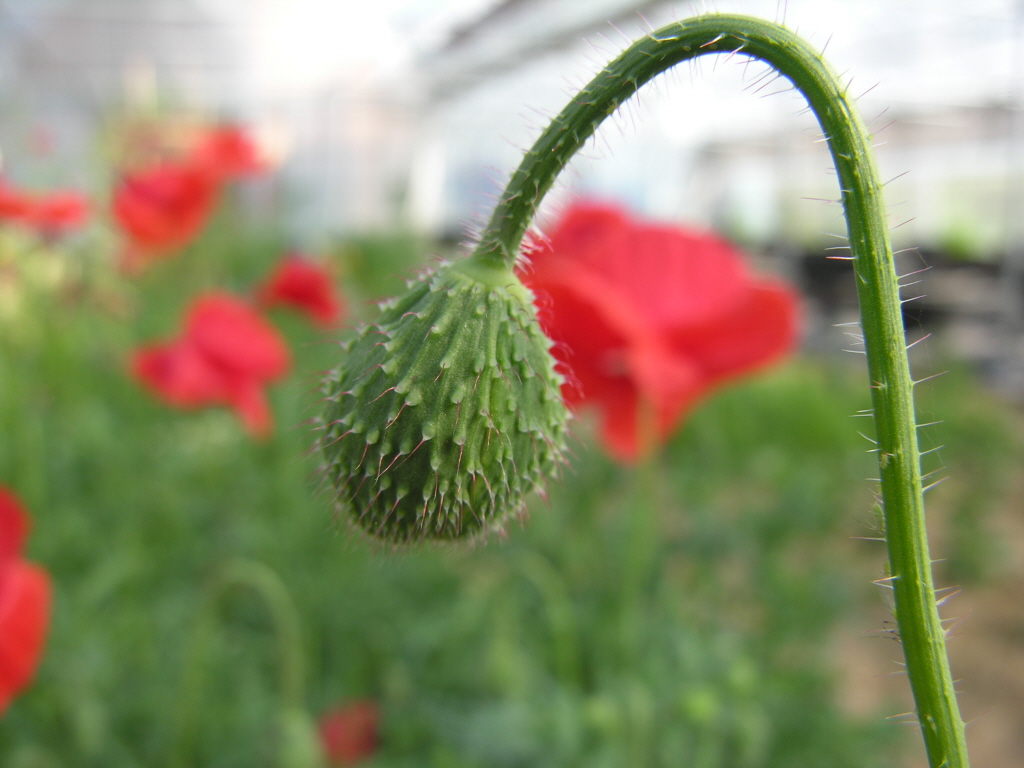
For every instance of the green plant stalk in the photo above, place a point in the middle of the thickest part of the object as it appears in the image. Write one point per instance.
(284, 619)
(917, 616)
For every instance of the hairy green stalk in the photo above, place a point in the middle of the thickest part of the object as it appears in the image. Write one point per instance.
(920, 628)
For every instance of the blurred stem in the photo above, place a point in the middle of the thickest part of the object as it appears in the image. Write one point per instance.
(639, 568)
(917, 616)
(550, 585)
(642, 522)
(284, 619)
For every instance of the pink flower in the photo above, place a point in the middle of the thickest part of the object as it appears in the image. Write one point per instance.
(648, 319)
(301, 284)
(349, 733)
(226, 355)
(24, 603)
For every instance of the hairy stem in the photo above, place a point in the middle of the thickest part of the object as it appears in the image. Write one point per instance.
(920, 628)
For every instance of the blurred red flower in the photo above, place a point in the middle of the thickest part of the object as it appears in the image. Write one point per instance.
(227, 152)
(226, 355)
(15, 205)
(59, 212)
(52, 213)
(24, 603)
(302, 284)
(162, 208)
(649, 318)
(349, 733)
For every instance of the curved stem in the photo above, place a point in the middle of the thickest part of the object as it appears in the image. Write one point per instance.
(284, 618)
(917, 616)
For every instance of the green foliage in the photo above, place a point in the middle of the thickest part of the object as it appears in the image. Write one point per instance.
(678, 614)
(976, 450)
(379, 265)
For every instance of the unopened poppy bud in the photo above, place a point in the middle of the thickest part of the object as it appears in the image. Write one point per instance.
(446, 412)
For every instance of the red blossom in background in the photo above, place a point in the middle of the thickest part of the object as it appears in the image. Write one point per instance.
(24, 603)
(58, 212)
(227, 152)
(52, 213)
(162, 208)
(650, 318)
(302, 284)
(226, 355)
(15, 205)
(349, 733)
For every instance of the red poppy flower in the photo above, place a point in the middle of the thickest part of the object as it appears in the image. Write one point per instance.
(162, 208)
(24, 603)
(226, 355)
(349, 733)
(15, 205)
(59, 212)
(51, 213)
(227, 152)
(650, 318)
(302, 284)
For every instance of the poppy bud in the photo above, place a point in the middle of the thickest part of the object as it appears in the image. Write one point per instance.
(446, 412)
(300, 746)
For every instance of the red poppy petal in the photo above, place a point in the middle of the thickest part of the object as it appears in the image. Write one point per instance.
(141, 221)
(586, 238)
(587, 233)
(246, 396)
(619, 435)
(326, 311)
(24, 616)
(231, 334)
(669, 385)
(60, 211)
(164, 206)
(14, 206)
(650, 317)
(180, 375)
(679, 276)
(597, 326)
(14, 526)
(596, 356)
(759, 331)
(226, 152)
(559, 282)
(671, 275)
(301, 284)
(591, 349)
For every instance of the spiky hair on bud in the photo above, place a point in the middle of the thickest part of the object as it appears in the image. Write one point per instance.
(446, 412)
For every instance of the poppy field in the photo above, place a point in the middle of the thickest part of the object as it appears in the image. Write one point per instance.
(177, 588)
(577, 498)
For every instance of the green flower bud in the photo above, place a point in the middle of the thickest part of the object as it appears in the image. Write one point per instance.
(447, 411)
